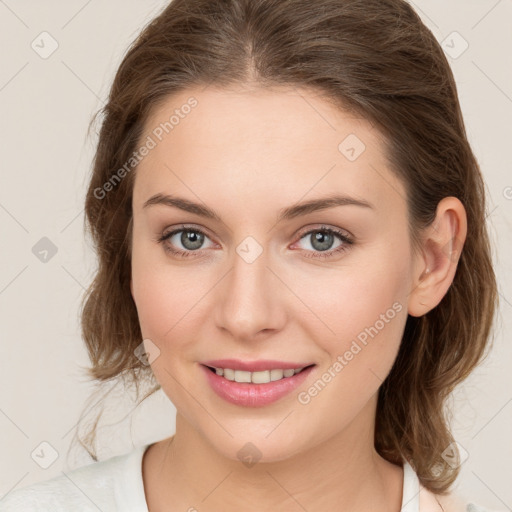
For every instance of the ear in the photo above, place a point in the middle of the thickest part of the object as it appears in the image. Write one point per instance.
(436, 264)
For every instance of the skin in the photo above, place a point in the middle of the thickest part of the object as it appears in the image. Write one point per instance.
(247, 153)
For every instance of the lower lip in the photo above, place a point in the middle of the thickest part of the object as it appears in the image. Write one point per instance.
(254, 395)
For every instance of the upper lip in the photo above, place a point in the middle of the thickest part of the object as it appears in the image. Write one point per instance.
(254, 366)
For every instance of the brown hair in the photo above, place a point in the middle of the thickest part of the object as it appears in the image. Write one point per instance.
(372, 57)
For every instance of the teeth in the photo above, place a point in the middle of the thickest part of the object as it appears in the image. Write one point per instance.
(276, 374)
(241, 376)
(262, 377)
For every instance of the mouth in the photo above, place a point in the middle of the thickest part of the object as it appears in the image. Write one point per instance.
(255, 388)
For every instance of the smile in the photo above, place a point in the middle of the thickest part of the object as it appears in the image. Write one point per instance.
(254, 388)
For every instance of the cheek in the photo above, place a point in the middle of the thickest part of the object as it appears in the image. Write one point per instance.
(162, 299)
(365, 312)
(362, 308)
(158, 294)
(364, 299)
(170, 298)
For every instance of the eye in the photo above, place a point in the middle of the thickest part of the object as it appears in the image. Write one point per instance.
(322, 239)
(190, 238)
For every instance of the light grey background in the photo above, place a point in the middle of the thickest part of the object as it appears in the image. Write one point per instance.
(46, 105)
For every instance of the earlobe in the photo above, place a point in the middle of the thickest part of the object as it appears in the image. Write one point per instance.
(443, 241)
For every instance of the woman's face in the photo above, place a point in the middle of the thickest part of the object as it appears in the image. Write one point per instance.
(260, 280)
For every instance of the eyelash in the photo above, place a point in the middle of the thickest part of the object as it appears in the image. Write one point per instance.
(347, 241)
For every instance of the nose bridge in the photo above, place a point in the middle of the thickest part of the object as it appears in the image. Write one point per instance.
(250, 298)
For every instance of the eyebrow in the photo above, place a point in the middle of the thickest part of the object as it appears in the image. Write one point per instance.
(288, 213)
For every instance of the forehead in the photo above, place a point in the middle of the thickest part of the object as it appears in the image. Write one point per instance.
(248, 143)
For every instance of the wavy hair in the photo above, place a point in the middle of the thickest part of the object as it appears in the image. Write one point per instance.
(374, 58)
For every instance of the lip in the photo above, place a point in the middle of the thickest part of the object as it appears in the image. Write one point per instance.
(254, 366)
(254, 395)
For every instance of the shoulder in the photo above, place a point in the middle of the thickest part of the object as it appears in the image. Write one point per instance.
(87, 488)
(450, 502)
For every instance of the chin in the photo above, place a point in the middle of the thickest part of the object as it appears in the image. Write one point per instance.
(253, 446)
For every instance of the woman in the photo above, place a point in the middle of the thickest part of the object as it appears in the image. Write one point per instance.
(290, 225)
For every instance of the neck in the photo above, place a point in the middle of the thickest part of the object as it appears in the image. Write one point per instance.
(342, 472)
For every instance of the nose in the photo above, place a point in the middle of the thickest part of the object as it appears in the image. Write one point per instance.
(249, 301)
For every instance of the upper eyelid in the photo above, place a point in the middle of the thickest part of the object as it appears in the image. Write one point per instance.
(178, 229)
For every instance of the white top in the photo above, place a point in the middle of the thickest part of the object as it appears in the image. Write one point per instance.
(116, 484)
